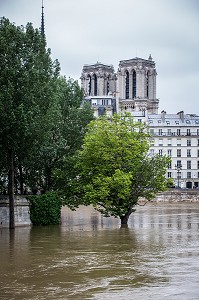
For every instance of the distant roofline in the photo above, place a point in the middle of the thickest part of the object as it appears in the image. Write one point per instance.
(137, 59)
(98, 64)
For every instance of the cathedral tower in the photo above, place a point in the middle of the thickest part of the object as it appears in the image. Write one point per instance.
(137, 85)
(98, 80)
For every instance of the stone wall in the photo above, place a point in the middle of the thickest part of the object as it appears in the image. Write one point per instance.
(22, 216)
(178, 195)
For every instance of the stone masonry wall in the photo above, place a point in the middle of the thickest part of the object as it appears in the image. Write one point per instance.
(22, 216)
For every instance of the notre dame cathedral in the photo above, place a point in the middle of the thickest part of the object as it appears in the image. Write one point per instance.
(132, 88)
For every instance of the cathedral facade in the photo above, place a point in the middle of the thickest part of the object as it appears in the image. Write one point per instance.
(133, 89)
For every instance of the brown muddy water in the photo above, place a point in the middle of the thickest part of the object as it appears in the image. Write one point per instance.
(91, 257)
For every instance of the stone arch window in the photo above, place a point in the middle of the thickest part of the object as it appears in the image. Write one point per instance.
(147, 84)
(127, 84)
(95, 84)
(89, 85)
(134, 84)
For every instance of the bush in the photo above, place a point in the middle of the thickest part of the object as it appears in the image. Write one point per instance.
(45, 209)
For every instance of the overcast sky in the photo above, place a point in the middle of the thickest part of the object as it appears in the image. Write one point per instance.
(86, 31)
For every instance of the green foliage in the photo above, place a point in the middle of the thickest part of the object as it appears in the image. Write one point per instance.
(42, 120)
(170, 183)
(45, 209)
(113, 168)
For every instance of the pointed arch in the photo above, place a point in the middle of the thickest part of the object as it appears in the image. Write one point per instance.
(134, 84)
(95, 84)
(147, 84)
(89, 85)
(127, 84)
(108, 85)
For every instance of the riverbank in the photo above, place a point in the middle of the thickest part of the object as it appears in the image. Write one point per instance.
(22, 216)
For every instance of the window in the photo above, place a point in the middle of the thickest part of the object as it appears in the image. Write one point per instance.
(178, 152)
(147, 84)
(177, 122)
(160, 132)
(108, 87)
(159, 121)
(89, 85)
(169, 152)
(179, 175)
(178, 142)
(198, 174)
(198, 142)
(179, 165)
(188, 132)
(188, 142)
(160, 142)
(178, 131)
(152, 131)
(160, 152)
(169, 175)
(152, 152)
(169, 165)
(127, 85)
(198, 152)
(169, 142)
(198, 164)
(197, 131)
(168, 122)
(95, 85)
(189, 164)
(134, 84)
(187, 121)
(188, 152)
(169, 131)
(152, 142)
(188, 174)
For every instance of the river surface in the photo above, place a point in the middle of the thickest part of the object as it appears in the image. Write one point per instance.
(91, 257)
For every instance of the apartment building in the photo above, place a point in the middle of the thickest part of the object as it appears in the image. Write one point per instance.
(133, 89)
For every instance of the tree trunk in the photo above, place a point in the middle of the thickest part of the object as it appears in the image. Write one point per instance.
(11, 191)
(124, 219)
(21, 179)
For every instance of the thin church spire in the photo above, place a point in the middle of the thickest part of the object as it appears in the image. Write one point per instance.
(42, 18)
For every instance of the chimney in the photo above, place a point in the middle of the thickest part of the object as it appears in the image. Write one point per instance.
(163, 113)
(181, 115)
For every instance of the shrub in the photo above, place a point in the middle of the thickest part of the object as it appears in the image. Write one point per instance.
(45, 209)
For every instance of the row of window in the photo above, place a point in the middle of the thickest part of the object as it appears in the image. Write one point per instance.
(178, 142)
(179, 175)
(178, 132)
(176, 122)
(95, 85)
(179, 165)
(169, 152)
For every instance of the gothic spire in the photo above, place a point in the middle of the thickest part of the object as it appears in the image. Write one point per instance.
(42, 18)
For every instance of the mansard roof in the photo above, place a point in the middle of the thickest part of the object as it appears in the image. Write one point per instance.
(179, 119)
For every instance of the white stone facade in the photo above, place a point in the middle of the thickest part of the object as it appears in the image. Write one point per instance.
(133, 89)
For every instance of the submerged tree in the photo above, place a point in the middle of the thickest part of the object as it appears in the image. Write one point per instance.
(113, 168)
(27, 81)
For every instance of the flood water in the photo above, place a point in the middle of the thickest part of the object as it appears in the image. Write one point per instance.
(91, 257)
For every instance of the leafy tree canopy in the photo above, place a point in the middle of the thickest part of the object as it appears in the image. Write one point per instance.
(114, 169)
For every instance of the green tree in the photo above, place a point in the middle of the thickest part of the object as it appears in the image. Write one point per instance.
(113, 168)
(27, 82)
(64, 136)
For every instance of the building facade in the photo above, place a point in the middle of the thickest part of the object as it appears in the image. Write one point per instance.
(133, 89)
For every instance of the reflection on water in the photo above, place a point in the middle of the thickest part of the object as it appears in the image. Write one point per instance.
(91, 257)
